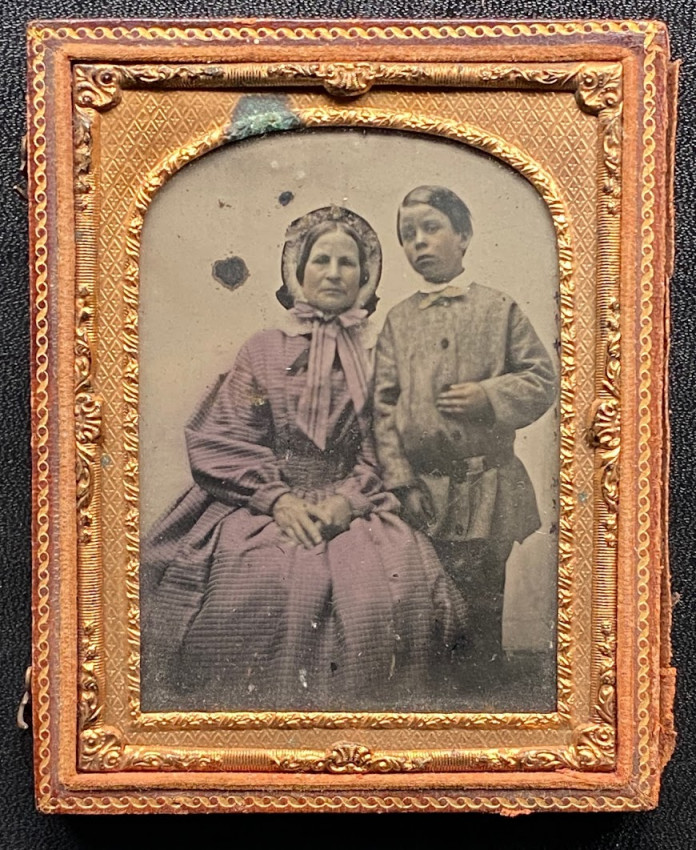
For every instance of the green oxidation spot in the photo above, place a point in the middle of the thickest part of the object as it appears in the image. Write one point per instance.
(256, 115)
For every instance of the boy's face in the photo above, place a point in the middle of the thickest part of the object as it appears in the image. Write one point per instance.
(432, 246)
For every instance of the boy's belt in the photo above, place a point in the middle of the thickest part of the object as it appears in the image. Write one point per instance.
(461, 469)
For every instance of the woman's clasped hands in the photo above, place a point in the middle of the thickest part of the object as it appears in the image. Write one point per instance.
(308, 524)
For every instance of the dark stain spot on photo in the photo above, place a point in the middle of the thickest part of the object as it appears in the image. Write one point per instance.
(285, 198)
(231, 272)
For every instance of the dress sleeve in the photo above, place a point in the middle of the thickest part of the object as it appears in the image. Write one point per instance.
(230, 439)
(528, 387)
(396, 470)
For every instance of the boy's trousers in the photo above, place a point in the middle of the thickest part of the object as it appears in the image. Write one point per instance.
(478, 570)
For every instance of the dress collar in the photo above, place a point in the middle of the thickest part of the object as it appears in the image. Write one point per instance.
(364, 330)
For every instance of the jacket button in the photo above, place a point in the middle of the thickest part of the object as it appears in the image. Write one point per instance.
(456, 436)
(444, 343)
(459, 530)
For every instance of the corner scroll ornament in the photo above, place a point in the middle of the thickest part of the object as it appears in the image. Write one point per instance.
(599, 91)
(346, 758)
(97, 87)
(605, 430)
(593, 748)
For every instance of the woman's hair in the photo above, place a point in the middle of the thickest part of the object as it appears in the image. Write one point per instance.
(312, 237)
(444, 200)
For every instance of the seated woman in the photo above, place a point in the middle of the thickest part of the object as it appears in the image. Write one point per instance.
(283, 578)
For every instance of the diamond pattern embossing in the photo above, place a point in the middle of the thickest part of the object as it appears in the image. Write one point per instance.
(147, 126)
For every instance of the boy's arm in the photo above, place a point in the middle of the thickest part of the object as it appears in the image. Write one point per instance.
(396, 470)
(529, 386)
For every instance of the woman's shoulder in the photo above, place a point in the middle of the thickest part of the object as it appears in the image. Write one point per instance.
(269, 348)
(264, 342)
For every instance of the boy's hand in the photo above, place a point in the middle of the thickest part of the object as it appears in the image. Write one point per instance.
(333, 514)
(418, 508)
(468, 400)
(292, 516)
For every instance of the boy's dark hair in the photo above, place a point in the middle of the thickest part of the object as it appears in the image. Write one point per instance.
(444, 200)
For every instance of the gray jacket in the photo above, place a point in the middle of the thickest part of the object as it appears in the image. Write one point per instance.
(477, 484)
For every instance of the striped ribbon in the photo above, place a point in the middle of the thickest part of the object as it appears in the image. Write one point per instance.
(331, 335)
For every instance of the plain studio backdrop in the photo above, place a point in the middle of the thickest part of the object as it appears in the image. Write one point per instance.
(238, 201)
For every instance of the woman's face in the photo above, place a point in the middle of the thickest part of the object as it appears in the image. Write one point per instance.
(332, 274)
(432, 246)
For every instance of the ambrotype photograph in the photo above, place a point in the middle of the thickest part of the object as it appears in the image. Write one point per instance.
(349, 430)
(349, 414)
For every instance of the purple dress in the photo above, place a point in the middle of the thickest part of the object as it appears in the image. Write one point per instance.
(235, 615)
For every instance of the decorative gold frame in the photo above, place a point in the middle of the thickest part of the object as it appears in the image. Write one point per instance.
(605, 754)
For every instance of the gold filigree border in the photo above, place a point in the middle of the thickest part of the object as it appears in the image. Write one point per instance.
(647, 275)
(260, 32)
(238, 720)
(591, 748)
(588, 83)
(312, 802)
(262, 801)
(42, 524)
(596, 85)
(88, 435)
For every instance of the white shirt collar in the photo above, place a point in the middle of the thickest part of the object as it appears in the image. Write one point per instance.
(457, 281)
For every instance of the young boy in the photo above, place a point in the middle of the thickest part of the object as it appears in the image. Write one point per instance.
(458, 370)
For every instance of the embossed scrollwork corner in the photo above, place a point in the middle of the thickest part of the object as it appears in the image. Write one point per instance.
(346, 758)
(97, 87)
(592, 748)
(101, 749)
(600, 92)
(599, 87)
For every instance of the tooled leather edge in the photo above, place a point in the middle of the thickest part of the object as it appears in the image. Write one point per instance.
(667, 672)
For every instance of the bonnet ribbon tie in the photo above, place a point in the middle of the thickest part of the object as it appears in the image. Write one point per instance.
(331, 335)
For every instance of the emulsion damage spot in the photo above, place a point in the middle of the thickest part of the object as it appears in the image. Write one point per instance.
(230, 272)
(284, 198)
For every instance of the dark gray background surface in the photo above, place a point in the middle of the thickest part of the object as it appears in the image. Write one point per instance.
(673, 824)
